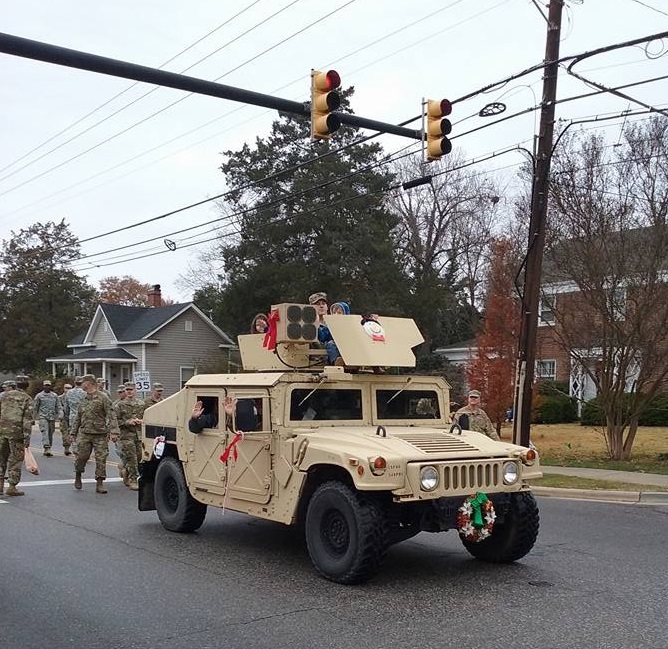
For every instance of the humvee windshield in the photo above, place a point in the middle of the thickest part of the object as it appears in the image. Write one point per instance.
(409, 404)
(325, 404)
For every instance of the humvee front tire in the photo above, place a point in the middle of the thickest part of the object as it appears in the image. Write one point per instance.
(346, 533)
(177, 510)
(513, 538)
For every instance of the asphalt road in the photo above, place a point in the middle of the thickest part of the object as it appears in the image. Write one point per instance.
(79, 569)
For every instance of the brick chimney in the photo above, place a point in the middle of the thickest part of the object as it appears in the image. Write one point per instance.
(154, 296)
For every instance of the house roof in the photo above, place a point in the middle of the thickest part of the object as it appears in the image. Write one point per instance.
(135, 322)
(132, 323)
(109, 354)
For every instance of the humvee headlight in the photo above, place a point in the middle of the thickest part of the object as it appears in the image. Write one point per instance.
(428, 478)
(510, 473)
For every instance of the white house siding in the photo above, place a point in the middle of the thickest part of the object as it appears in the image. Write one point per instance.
(179, 348)
(100, 337)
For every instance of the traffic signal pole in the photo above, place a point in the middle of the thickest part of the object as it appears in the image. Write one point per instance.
(526, 359)
(38, 51)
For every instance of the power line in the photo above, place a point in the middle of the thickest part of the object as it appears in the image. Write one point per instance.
(644, 4)
(111, 99)
(174, 103)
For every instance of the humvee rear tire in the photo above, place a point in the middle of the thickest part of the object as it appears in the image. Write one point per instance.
(177, 510)
(513, 538)
(346, 533)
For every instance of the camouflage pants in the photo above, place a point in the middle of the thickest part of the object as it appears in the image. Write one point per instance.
(130, 453)
(12, 452)
(65, 433)
(85, 445)
(47, 428)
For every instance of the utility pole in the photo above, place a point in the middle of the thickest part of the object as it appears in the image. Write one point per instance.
(526, 358)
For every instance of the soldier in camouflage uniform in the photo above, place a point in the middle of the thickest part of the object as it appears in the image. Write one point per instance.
(155, 396)
(120, 396)
(478, 419)
(72, 400)
(95, 420)
(15, 425)
(129, 413)
(46, 409)
(64, 422)
(6, 387)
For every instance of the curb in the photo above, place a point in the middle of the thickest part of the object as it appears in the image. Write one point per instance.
(604, 495)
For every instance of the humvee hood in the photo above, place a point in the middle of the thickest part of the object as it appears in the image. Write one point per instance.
(409, 442)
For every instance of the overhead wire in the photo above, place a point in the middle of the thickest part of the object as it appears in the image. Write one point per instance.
(116, 96)
(174, 103)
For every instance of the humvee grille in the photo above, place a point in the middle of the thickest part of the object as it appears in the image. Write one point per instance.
(435, 443)
(478, 475)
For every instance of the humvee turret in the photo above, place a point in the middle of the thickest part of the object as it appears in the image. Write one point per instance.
(360, 456)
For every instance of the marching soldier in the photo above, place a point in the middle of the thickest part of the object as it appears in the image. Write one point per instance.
(64, 423)
(72, 400)
(155, 396)
(47, 409)
(95, 420)
(129, 413)
(16, 410)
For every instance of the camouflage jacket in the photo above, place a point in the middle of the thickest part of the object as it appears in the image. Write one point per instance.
(72, 400)
(150, 401)
(95, 416)
(47, 406)
(15, 415)
(478, 421)
(127, 409)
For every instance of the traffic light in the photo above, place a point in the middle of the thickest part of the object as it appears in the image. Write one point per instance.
(437, 128)
(324, 100)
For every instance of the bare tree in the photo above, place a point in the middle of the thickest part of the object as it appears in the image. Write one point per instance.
(608, 254)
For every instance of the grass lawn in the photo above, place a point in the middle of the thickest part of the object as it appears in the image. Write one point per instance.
(572, 482)
(584, 446)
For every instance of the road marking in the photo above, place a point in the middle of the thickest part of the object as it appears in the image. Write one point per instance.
(52, 483)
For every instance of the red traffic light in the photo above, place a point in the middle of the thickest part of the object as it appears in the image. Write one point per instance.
(333, 79)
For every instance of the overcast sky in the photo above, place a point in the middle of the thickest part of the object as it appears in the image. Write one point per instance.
(108, 175)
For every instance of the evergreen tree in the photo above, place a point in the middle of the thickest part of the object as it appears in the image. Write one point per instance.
(305, 229)
(44, 303)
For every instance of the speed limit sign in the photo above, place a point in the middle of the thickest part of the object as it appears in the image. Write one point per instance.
(142, 381)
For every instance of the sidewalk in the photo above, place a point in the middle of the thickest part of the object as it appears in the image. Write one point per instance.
(629, 477)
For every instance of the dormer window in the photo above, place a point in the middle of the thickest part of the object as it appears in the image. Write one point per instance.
(189, 325)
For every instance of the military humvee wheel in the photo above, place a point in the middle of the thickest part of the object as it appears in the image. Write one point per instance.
(177, 510)
(514, 537)
(346, 533)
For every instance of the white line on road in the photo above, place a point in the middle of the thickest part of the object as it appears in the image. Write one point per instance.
(51, 483)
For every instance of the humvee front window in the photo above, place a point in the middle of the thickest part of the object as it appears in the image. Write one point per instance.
(409, 404)
(325, 404)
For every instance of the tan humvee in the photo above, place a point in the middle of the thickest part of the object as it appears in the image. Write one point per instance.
(362, 457)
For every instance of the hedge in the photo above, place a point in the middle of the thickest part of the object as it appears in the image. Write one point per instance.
(655, 414)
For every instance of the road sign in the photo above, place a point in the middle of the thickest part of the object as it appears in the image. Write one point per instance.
(142, 381)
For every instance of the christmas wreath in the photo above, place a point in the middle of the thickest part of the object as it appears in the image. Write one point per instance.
(475, 518)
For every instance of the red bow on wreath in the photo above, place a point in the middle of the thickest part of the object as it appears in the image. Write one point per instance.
(269, 341)
(232, 449)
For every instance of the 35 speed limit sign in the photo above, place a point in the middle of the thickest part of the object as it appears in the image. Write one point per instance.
(142, 381)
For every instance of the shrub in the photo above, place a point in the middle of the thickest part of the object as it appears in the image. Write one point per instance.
(555, 409)
(655, 414)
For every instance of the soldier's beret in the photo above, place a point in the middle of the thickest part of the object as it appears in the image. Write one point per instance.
(47, 382)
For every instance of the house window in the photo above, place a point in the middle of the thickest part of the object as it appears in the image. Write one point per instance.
(186, 373)
(546, 310)
(189, 325)
(546, 370)
(617, 303)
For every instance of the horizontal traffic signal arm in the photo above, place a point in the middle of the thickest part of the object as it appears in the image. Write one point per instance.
(47, 53)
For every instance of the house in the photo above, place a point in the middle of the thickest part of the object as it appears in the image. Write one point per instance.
(170, 342)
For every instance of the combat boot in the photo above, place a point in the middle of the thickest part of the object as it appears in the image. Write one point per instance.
(14, 491)
(133, 484)
(100, 488)
(47, 451)
(67, 451)
(77, 480)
